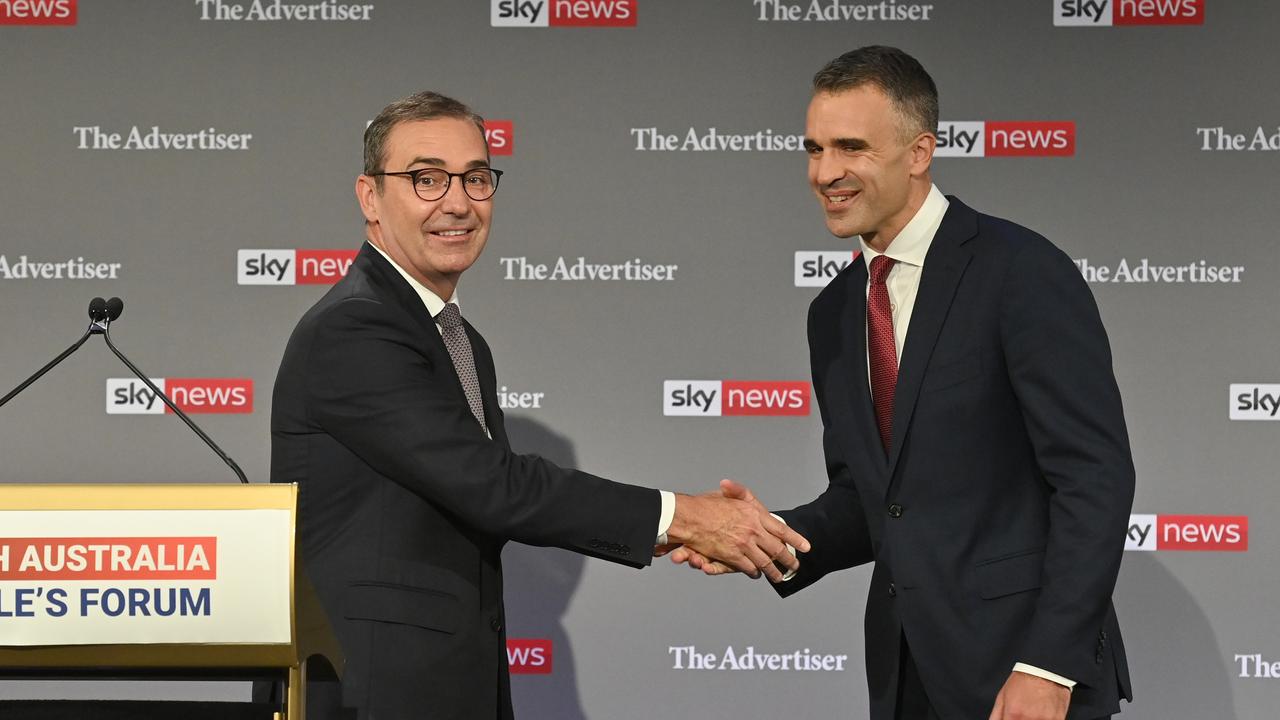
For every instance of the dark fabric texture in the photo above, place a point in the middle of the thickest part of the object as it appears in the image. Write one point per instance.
(405, 504)
(997, 521)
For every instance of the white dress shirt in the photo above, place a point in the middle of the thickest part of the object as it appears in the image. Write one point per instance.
(434, 305)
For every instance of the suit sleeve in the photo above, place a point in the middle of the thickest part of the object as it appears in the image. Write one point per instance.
(834, 523)
(375, 391)
(1059, 364)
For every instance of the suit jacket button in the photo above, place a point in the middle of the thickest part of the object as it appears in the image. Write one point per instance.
(895, 510)
(495, 623)
(893, 591)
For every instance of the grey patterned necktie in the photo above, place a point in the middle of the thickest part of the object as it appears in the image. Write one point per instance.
(459, 346)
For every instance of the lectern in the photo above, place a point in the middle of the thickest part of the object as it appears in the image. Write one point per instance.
(136, 581)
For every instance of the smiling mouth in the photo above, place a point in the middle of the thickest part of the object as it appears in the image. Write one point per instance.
(840, 199)
(451, 233)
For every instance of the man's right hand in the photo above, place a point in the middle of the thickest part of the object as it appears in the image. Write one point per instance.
(737, 531)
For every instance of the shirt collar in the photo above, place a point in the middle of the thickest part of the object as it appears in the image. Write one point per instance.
(912, 244)
(432, 301)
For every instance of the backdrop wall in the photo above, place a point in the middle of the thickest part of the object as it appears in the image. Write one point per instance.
(655, 134)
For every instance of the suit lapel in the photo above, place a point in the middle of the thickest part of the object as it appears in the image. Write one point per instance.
(389, 280)
(943, 267)
(488, 385)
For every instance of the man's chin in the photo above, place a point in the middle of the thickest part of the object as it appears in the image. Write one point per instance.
(842, 228)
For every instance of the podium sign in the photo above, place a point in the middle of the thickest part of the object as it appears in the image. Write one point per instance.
(120, 567)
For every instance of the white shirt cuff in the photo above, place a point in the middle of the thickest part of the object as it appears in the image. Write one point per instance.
(790, 573)
(666, 516)
(1045, 674)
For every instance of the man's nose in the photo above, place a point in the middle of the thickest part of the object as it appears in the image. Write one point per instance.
(455, 200)
(826, 169)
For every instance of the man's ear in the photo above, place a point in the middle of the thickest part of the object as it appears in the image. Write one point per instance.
(366, 194)
(922, 152)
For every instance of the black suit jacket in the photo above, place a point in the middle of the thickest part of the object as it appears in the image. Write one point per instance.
(996, 522)
(405, 504)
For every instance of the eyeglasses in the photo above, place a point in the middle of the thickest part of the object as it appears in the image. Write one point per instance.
(431, 184)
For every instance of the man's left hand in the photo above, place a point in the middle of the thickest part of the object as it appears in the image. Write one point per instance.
(1027, 697)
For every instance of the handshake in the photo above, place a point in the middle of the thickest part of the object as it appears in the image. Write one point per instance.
(731, 531)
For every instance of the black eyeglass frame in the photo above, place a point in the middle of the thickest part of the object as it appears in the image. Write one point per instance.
(448, 181)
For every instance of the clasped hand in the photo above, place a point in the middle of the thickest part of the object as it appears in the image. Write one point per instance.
(731, 531)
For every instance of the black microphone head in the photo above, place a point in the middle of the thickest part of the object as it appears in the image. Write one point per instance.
(115, 306)
(97, 309)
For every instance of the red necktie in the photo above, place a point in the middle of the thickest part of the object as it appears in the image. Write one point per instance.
(882, 353)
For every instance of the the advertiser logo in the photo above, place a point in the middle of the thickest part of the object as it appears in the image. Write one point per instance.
(529, 656)
(1251, 401)
(1218, 139)
(652, 139)
(519, 400)
(1105, 13)
(1006, 138)
(839, 11)
(1143, 271)
(722, 398)
(689, 657)
(562, 13)
(278, 11)
(23, 268)
(500, 134)
(292, 267)
(816, 269)
(578, 269)
(93, 137)
(38, 12)
(109, 558)
(1217, 533)
(1255, 665)
(131, 396)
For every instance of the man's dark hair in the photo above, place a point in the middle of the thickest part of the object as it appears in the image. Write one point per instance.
(898, 75)
(425, 105)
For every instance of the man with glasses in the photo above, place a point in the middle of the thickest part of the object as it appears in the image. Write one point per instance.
(386, 415)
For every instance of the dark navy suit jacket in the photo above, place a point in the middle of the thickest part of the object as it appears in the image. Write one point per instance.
(996, 522)
(405, 504)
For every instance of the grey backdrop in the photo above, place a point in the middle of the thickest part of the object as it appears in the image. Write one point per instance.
(1139, 185)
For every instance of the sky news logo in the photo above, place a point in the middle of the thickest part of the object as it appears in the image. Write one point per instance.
(292, 267)
(817, 268)
(717, 398)
(500, 134)
(562, 13)
(38, 12)
(1006, 138)
(131, 396)
(1214, 533)
(1253, 401)
(529, 656)
(1106, 13)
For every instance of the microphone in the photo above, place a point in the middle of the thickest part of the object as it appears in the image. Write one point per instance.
(112, 310)
(101, 314)
(97, 318)
(97, 309)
